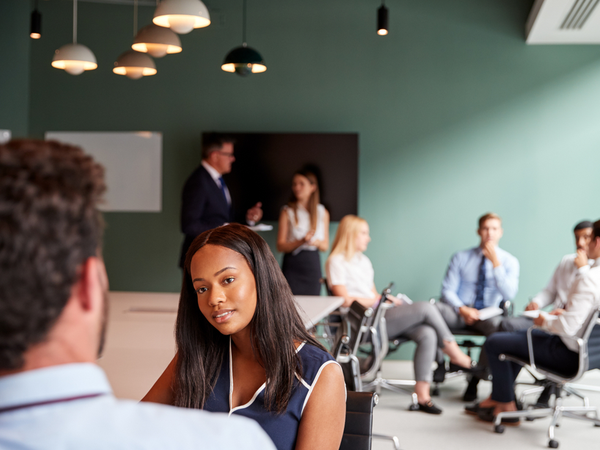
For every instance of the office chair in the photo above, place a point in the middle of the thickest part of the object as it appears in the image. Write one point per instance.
(368, 327)
(348, 338)
(589, 358)
(465, 340)
(371, 366)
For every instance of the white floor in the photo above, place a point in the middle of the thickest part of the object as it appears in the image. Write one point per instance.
(455, 430)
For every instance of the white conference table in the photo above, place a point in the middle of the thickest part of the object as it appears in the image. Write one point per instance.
(140, 339)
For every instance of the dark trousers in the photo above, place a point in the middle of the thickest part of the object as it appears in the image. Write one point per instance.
(456, 323)
(549, 352)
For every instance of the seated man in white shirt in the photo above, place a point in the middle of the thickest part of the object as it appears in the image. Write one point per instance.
(555, 294)
(53, 309)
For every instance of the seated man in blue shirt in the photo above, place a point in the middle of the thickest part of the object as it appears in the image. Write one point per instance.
(53, 310)
(478, 278)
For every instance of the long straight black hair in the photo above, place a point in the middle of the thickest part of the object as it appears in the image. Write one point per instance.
(274, 329)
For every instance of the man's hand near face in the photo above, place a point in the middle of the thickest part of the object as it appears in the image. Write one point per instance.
(581, 259)
(489, 251)
(469, 315)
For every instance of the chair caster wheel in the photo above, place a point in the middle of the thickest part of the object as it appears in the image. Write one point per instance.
(499, 429)
(552, 443)
(597, 425)
(413, 407)
(435, 392)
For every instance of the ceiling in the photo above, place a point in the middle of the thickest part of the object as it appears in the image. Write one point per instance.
(564, 22)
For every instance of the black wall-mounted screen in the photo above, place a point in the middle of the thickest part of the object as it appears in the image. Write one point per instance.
(266, 162)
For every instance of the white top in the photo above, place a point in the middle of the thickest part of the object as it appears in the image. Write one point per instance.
(100, 421)
(215, 175)
(557, 290)
(582, 299)
(298, 230)
(356, 275)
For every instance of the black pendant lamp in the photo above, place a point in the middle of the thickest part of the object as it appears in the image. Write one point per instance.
(243, 60)
(35, 31)
(382, 20)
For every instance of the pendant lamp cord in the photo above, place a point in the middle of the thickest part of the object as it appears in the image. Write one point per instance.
(135, 17)
(244, 23)
(74, 21)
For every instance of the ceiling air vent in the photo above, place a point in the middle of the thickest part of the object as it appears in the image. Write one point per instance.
(579, 14)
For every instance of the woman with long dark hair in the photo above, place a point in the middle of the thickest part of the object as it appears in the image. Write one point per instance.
(242, 347)
(303, 233)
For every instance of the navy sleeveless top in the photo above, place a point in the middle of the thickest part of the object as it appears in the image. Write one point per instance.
(281, 428)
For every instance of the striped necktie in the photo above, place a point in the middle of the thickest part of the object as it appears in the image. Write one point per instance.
(480, 285)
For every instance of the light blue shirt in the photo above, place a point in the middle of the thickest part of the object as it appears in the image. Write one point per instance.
(104, 422)
(460, 283)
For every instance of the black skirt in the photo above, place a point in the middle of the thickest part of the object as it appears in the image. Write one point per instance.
(303, 272)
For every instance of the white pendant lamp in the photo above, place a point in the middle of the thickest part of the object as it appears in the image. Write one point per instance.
(74, 58)
(133, 64)
(156, 41)
(181, 16)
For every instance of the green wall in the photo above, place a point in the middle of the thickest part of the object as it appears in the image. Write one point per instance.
(14, 69)
(457, 116)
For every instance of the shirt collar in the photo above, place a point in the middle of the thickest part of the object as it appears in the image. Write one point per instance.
(214, 173)
(51, 383)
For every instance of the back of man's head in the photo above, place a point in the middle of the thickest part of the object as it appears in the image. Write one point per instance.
(212, 142)
(49, 226)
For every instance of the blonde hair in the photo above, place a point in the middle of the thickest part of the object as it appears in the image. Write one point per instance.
(313, 201)
(345, 237)
(488, 216)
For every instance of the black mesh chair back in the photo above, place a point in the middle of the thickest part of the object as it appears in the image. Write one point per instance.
(358, 431)
(594, 348)
(346, 342)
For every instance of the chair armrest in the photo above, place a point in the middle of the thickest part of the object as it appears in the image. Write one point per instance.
(507, 308)
(580, 344)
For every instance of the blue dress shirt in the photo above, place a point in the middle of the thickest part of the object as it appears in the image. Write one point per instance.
(104, 422)
(459, 287)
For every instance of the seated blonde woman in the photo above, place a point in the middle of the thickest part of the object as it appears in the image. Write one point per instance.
(350, 275)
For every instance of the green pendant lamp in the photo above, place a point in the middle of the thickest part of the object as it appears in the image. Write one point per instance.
(244, 60)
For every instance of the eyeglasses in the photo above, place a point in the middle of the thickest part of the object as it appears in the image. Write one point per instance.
(226, 154)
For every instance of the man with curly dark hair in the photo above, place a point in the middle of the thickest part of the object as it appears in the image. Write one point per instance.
(53, 302)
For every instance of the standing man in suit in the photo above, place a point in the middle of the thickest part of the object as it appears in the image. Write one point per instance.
(478, 278)
(206, 202)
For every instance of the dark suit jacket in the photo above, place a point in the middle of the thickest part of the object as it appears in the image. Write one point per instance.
(203, 207)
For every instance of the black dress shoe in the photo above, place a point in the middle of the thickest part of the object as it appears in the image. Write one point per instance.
(470, 394)
(474, 368)
(429, 408)
(487, 415)
(475, 408)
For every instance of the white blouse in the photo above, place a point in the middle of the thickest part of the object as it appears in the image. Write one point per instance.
(298, 229)
(356, 275)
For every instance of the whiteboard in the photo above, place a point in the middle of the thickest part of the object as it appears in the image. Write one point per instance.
(133, 164)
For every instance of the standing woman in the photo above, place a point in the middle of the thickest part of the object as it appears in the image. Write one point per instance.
(303, 232)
